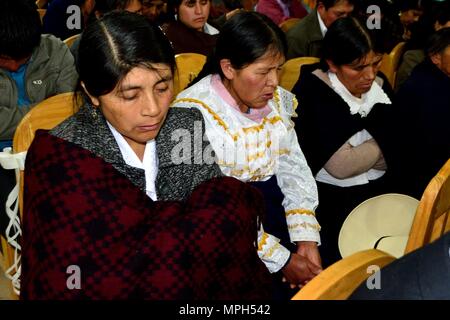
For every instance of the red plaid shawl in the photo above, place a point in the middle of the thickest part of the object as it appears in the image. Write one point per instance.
(80, 211)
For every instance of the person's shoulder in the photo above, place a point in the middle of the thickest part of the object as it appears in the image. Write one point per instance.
(416, 55)
(49, 41)
(422, 76)
(178, 117)
(197, 90)
(52, 47)
(307, 77)
(71, 128)
(304, 25)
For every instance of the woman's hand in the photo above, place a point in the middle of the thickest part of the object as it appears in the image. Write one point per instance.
(299, 270)
(309, 250)
(380, 164)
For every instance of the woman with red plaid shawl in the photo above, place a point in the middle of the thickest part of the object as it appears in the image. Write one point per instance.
(106, 198)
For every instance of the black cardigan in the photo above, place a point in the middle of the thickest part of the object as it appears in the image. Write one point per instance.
(324, 121)
(419, 129)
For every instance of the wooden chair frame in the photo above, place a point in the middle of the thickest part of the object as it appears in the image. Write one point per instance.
(338, 281)
(432, 218)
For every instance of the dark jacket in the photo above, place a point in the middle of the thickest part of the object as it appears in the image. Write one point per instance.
(423, 274)
(324, 121)
(305, 38)
(185, 39)
(420, 129)
(410, 60)
(88, 129)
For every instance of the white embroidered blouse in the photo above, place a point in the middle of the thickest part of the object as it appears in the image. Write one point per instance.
(251, 151)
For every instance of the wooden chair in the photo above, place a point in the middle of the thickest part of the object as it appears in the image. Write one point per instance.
(45, 115)
(288, 24)
(432, 218)
(338, 281)
(70, 40)
(42, 14)
(290, 71)
(189, 66)
(390, 63)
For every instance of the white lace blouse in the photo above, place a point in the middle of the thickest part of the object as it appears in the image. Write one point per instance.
(251, 151)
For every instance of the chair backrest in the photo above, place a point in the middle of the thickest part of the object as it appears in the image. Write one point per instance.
(189, 66)
(42, 13)
(288, 24)
(45, 115)
(338, 281)
(290, 71)
(390, 63)
(432, 219)
(70, 40)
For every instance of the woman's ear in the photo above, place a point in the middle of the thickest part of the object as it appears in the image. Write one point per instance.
(331, 66)
(227, 69)
(94, 100)
(436, 59)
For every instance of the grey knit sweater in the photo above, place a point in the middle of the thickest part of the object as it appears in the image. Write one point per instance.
(89, 130)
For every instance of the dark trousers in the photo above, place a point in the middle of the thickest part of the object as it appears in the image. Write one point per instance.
(276, 225)
(7, 182)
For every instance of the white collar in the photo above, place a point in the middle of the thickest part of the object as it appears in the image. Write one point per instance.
(322, 26)
(209, 29)
(149, 163)
(361, 105)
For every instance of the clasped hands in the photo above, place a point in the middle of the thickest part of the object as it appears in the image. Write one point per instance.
(303, 265)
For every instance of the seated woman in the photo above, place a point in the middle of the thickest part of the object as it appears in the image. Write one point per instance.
(94, 228)
(342, 108)
(189, 30)
(248, 121)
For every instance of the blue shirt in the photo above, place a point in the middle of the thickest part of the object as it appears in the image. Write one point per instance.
(22, 97)
(19, 78)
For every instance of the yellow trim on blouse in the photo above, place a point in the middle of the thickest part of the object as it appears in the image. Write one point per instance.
(300, 211)
(263, 241)
(213, 114)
